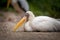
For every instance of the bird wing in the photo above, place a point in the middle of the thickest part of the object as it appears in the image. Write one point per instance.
(43, 23)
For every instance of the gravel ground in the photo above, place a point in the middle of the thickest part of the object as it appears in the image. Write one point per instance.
(8, 20)
(29, 35)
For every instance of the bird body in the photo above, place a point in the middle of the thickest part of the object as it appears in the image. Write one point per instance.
(23, 4)
(41, 23)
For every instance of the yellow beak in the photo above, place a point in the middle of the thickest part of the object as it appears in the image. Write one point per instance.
(19, 24)
(8, 3)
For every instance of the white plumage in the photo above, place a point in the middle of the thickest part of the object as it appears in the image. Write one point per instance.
(41, 23)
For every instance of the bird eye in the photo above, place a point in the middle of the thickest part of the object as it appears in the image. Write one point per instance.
(27, 14)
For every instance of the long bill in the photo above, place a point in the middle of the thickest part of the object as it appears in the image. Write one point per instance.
(20, 23)
(8, 3)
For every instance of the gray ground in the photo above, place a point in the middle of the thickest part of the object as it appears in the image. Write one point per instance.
(7, 22)
(29, 35)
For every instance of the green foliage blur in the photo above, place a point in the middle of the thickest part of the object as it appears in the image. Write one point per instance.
(3, 3)
(42, 7)
(45, 7)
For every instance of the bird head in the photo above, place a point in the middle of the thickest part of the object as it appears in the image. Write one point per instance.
(30, 15)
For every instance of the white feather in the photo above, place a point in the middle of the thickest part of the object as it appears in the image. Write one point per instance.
(41, 23)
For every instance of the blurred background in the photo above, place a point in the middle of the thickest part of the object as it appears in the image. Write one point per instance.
(39, 7)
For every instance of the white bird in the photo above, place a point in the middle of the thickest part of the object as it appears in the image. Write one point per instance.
(39, 23)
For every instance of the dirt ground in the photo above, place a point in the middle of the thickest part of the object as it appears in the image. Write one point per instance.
(29, 35)
(8, 20)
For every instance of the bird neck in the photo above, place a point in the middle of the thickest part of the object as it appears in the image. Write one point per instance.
(31, 17)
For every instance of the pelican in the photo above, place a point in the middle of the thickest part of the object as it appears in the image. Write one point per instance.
(39, 23)
(23, 5)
